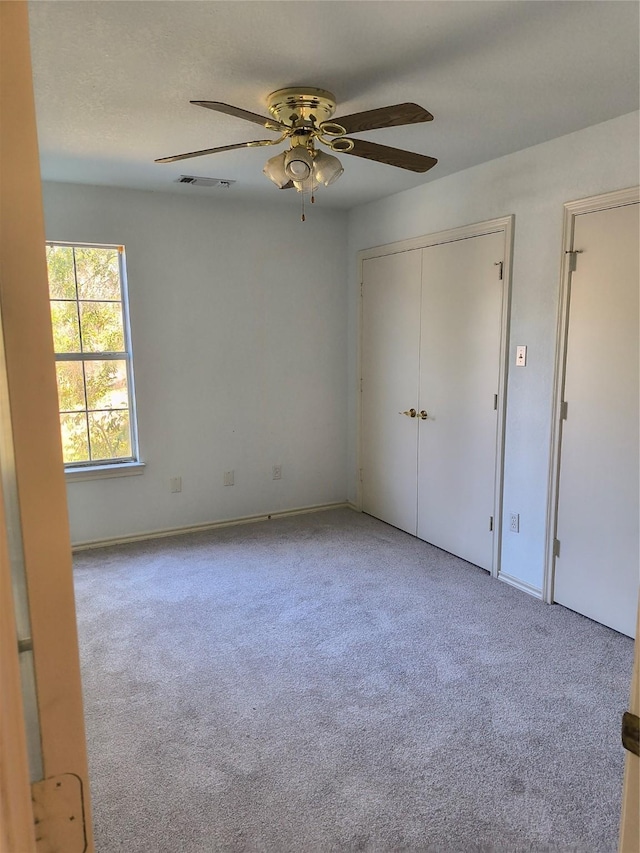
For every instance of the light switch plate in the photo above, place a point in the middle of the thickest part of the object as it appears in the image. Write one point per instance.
(521, 356)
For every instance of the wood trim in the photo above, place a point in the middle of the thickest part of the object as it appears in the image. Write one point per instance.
(449, 235)
(572, 209)
(39, 472)
(508, 225)
(16, 815)
(209, 525)
(104, 472)
(619, 198)
(523, 586)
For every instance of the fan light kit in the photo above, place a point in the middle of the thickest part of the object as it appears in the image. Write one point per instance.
(302, 118)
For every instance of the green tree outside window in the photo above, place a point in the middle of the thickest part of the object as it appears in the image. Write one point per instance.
(93, 357)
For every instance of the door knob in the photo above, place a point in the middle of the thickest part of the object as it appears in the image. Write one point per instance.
(411, 413)
(423, 415)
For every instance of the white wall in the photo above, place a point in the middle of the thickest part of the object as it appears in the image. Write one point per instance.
(239, 324)
(241, 334)
(532, 184)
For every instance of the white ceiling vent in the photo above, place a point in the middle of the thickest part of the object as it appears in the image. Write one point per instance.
(196, 181)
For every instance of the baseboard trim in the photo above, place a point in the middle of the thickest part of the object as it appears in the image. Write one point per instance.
(521, 585)
(209, 525)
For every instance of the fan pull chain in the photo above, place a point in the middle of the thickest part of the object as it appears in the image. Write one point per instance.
(302, 218)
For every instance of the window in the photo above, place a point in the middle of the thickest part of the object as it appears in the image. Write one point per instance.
(87, 288)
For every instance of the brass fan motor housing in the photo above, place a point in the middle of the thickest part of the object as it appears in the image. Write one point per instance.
(307, 105)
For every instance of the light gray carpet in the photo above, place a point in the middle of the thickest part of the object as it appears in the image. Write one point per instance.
(328, 683)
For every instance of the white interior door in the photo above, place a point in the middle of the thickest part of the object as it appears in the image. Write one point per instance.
(596, 572)
(459, 378)
(389, 371)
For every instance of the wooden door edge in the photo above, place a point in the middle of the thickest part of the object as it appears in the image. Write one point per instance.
(630, 816)
(16, 814)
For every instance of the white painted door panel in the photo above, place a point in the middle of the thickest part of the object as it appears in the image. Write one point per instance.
(390, 352)
(460, 361)
(596, 573)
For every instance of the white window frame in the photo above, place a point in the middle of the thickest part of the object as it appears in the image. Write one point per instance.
(123, 466)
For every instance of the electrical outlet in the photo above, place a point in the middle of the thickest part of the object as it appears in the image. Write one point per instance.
(514, 522)
(277, 472)
(229, 478)
(175, 484)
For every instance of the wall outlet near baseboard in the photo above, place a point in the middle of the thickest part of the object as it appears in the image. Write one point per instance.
(229, 478)
(276, 472)
(514, 522)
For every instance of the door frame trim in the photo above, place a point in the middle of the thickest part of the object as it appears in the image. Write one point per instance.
(505, 224)
(592, 204)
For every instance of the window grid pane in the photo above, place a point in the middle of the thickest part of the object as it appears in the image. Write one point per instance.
(75, 437)
(97, 273)
(71, 387)
(66, 326)
(93, 361)
(109, 435)
(106, 385)
(101, 326)
(62, 281)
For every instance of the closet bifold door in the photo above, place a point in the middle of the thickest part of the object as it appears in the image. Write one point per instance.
(461, 318)
(389, 391)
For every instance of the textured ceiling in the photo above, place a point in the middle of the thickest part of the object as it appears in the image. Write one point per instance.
(113, 80)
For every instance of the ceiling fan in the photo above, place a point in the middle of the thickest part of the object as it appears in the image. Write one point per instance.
(302, 118)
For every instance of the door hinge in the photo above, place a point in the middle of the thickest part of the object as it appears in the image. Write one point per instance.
(25, 645)
(361, 477)
(490, 524)
(361, 386)
(499, 264)
(573, 258)
(556, 547)
(631, 732)
(564, 407)
(58, 813)
(495, 402)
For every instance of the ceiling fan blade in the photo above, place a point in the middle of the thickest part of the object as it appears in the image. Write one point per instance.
(230, 110)
(384, 117)
(287, 186)
(177, 157)
(392, 156)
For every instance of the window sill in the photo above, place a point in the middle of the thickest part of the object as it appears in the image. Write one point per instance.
(103, 472)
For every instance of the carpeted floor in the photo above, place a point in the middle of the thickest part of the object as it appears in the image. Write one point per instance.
(328, 683)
